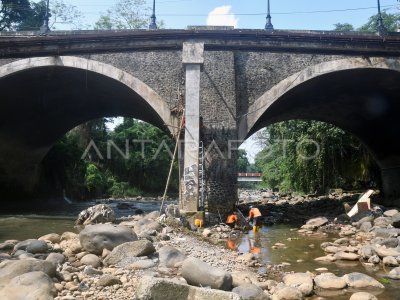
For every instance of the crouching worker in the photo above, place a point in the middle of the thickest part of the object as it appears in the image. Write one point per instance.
(255, 216)
(232, 220)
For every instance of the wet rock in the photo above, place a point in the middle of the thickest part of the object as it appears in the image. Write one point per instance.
(91, 260)
(332, 249)
(94, 238)
(124, 253)
(101, 213)
(199, 273)
(359, 280)
(362, 296)
(107, 280)
(327, 258)
(150, 288)
(170, 256)
(390, 261)
(315, 223)
(301, 281)
(13, 268)
(329, 281)
(394, 273)
(56, 258)
(250, 292)
(23, 245)
(346, 256)
(287, 293)
(29, 286)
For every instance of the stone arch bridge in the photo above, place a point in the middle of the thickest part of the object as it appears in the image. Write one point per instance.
(234, 83)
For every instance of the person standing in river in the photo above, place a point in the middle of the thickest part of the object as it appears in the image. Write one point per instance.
(255, 216)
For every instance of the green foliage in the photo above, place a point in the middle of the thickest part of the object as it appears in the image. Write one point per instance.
(12, 13)
(243, 162)
(311, 156)
(94, 179)
(125, 14)
(345, 27)
(391, 22)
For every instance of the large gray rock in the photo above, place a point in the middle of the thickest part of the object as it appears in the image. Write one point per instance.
(13, 268)
(359, 281)
(100, 213)
(389, 243)
(390, 213)
(396, 220)
(95, 238)
(385, 233)
(390, 261)
(250, 292)
(151, 288)
(366, 226)
(23, 245)
(37, 246)
(366, 251)
(108, 280)
(199, 273)
(123, 254)
(383, 251)
(29, 286)
(301, 281)
(51, 237)
(56, 258)
(329, 281)
(394, 273)
(367, 219)
(362, 296)
(346, 256)
(170, 256)
(383, 222)
(91, 260)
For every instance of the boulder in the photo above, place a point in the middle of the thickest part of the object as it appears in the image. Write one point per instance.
(244, 277)
(383, 222)
(360, 280)
(327, 258)
(301, 281)
(56, 258)
(68, 236)
(362, 296)
(389, 243)
(51, 237)
(150, 288)
(287, 293)
(329, 281)
(390, 213)
(250, 292)
(199, 273)
(346, 256)
(107, 280)
(382, 251)
(37, 246)
(315, 223)
(390, 261)
(374, 259)
(91, 260)
(394, 273)
(396, 220)
(366, 251)
(368, 219)
(100, 213)
(23, 245)
(13, 268)
(366, 226)
(95, 238)
(29, 286)
(170, 256)
(123, 254)
(385, 233)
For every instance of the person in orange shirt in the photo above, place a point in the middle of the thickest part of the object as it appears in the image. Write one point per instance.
(255, 216)
(232, 220)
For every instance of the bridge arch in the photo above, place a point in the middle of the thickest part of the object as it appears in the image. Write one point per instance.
(45, 97)
(359, 95)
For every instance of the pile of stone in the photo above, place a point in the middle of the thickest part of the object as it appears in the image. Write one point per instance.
(221, 232)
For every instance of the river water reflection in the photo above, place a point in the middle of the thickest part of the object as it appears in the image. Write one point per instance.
(300, 252)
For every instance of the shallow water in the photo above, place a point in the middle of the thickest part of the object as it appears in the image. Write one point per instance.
(298, 248)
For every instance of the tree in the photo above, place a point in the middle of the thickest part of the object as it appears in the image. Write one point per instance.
(391, 22)
(243, 162)
(12, 12)
(126, 14)
(345, 27)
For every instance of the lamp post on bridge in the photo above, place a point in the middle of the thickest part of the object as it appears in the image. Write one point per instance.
(380, 26)
(268, 25)
(45, 27)
(153, 24)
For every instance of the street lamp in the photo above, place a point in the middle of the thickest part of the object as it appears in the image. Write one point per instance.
(268, 25)
(153, 24)
(45, 27)
(380, 26)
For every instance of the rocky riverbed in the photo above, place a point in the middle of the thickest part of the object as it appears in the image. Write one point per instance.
(148, 257)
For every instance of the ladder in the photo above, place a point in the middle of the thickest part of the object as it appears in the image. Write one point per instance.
(201, 176)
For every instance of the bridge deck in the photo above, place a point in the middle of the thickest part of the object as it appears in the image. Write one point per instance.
(28, 44)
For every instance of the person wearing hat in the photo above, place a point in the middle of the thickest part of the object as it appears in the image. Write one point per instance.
(255, 216)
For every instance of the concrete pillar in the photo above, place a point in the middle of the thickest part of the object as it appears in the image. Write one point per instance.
(192, 58)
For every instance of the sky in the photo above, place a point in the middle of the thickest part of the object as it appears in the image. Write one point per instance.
(286, 14)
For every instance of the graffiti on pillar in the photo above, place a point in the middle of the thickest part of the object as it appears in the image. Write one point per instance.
(190, 179)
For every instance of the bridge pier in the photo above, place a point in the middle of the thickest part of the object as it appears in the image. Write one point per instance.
(192, 58)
